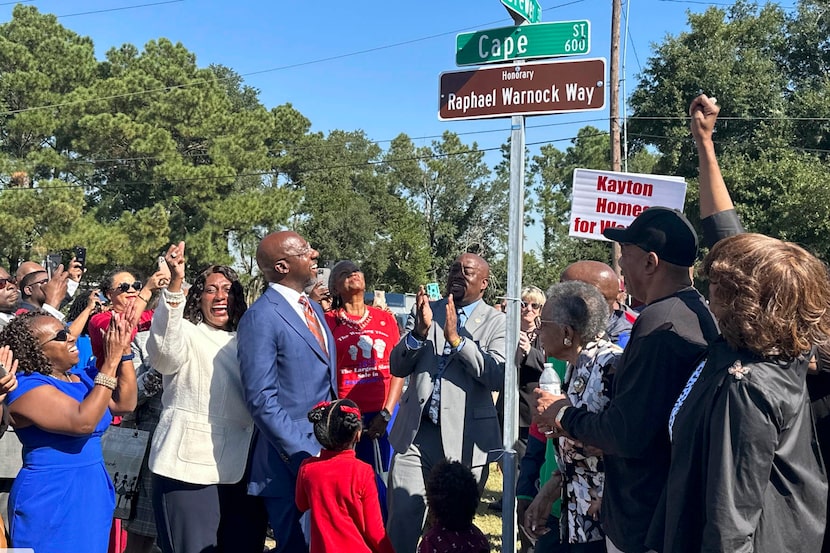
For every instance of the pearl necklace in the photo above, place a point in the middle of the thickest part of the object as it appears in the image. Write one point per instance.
(360, 323)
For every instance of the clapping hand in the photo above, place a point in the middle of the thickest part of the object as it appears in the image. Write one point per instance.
(9, 380)
(423, 312)
(118, 335)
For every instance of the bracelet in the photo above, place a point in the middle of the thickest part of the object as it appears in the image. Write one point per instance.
(173, 299)
(456, 343)
(128, 357)
(106, 381)
(139, 296)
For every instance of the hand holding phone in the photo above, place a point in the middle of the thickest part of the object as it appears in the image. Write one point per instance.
(53, 261)
(433, 291)
(80, 256)
(379, 299)
(164, 269)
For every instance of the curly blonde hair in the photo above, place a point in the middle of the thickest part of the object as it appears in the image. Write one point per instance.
(773, 296)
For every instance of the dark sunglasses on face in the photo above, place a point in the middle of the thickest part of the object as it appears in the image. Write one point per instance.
(61, 336)
(5, 281)
(125, 286)
(535, 306)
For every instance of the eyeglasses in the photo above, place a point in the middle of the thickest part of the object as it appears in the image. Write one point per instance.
(535, 306)
(543, 322)
(61, 336)
(5, 281)
(39, 282)
(303, 253)
(125, 286)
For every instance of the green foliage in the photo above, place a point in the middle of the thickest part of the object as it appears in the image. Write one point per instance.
(143, 148)
(30, 218)
(552, 174)
(768, 71)
(450, 188)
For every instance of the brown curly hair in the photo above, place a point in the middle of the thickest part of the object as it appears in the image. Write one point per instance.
(773, 296)
(24, 345)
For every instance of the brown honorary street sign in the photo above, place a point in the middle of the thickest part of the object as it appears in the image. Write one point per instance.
(539, 88)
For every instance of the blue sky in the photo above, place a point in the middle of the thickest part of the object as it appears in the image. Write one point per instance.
(359, 64)
(282, 46)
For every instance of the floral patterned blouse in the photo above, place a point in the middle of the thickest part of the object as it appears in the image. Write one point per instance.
(588, 386)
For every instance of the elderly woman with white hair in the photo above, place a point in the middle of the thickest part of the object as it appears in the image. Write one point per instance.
(572, 329)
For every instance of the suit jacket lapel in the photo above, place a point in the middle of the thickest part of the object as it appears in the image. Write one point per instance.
(298, 323)
(475, 320)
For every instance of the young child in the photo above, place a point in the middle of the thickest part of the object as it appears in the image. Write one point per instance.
(340, 489)
(452, 497)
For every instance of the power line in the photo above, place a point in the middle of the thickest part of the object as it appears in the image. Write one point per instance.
(114, 9)
(271, 70)
(302, 171)
(78, 161)
(631, 41)
(369, 163)
(469, 133)
(706, 3)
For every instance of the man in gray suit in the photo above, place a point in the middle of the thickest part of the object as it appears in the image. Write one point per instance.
(453, 354)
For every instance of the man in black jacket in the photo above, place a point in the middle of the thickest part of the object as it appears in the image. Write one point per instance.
(668, 338)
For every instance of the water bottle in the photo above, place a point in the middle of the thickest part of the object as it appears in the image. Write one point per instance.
(549, 380)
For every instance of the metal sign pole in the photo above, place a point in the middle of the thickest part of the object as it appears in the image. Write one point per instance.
(515, 242)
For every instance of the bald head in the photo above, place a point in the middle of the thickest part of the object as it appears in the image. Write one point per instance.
(597, 273)
(286, 258)
(27, 268)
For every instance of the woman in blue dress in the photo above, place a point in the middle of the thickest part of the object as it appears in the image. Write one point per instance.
(63, 499)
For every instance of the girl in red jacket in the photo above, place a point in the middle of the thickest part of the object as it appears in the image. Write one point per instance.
(338, 488)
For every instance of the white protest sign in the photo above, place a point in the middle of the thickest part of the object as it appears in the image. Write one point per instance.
(604, 199)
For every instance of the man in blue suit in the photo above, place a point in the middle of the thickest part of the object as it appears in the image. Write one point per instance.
(286, 357)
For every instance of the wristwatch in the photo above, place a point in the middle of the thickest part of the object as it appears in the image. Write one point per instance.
(561, 414)
(385, 415)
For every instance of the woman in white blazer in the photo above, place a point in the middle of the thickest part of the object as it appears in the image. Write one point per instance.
(199, 451)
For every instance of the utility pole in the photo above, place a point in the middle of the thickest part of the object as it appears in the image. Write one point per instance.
(616, 8)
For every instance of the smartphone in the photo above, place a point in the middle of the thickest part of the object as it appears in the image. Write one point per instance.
(323, 275)
(52, 262)
(3, 371)
(433, 291)
(162, 262)
(379, 299)
(80, 255)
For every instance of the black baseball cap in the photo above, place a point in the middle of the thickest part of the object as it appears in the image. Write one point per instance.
(664, 231)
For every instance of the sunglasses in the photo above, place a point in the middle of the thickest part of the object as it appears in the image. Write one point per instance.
(5, 281)
(535, 306)
(125, 286)
(61, 336)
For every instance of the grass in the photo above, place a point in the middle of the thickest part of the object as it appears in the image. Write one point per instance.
(489, 521)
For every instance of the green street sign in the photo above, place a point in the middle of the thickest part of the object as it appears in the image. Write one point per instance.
(542, 40)
(524, 10)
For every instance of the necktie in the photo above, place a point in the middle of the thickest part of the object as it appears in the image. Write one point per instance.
(434, 408)
(313, 323)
